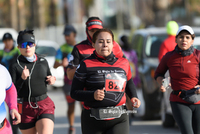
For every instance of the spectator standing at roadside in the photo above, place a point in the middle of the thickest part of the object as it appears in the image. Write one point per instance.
(131, 55)
(62, 59)
(169, 43)
(85, 48)
(8, 56)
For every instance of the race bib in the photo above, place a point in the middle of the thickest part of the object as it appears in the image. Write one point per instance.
(115, 82)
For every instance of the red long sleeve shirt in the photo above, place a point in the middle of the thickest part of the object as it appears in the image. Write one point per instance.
(183, 70)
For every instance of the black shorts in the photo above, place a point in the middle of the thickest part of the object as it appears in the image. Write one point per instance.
(90, 125)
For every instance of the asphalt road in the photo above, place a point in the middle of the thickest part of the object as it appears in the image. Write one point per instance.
(137, 126)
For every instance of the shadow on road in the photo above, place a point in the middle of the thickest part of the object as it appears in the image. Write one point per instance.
(61, 125)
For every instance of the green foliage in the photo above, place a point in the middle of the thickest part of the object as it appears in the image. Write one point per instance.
(193, 6)
(88, 3)
(5, 13)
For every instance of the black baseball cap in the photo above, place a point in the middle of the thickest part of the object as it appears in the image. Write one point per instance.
(7, 36)
(25, 36)
(68, 29)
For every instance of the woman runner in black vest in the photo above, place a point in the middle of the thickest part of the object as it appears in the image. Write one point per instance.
(101, 82)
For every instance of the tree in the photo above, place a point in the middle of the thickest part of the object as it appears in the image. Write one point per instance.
(65, 12)
(22, 20)
(13, 8)
(87, 4)
(160, 12)
(5, 13)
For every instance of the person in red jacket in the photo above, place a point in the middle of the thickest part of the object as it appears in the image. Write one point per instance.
(183, 65)
(169, 43)
(85, 49)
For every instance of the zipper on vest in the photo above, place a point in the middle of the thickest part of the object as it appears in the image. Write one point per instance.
(182, 62)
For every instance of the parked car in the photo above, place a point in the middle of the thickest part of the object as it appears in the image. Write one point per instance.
(48, 49)
(12, 31)
(147, 43)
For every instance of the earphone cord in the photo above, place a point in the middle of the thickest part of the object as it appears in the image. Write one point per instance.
(29, 83)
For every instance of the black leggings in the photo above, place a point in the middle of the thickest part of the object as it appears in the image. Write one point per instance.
(90, 125)
(187, 117)
(15, 128)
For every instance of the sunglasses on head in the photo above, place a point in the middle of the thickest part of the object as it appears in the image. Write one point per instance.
(24, 45)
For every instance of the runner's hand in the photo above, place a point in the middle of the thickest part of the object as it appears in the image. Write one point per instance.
(25, 73)
(197, 91)
(65, 62)
(14, 114)
(162, 88)
(51, 79)
(99, 94)
(136, 102)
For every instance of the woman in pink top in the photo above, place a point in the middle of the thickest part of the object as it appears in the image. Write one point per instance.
(9, 95)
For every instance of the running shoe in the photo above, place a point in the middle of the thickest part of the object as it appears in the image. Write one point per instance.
(72, 130)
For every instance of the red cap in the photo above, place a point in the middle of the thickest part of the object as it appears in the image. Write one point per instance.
(92, 24)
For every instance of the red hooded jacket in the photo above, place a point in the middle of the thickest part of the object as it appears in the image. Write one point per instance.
(167, 45)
